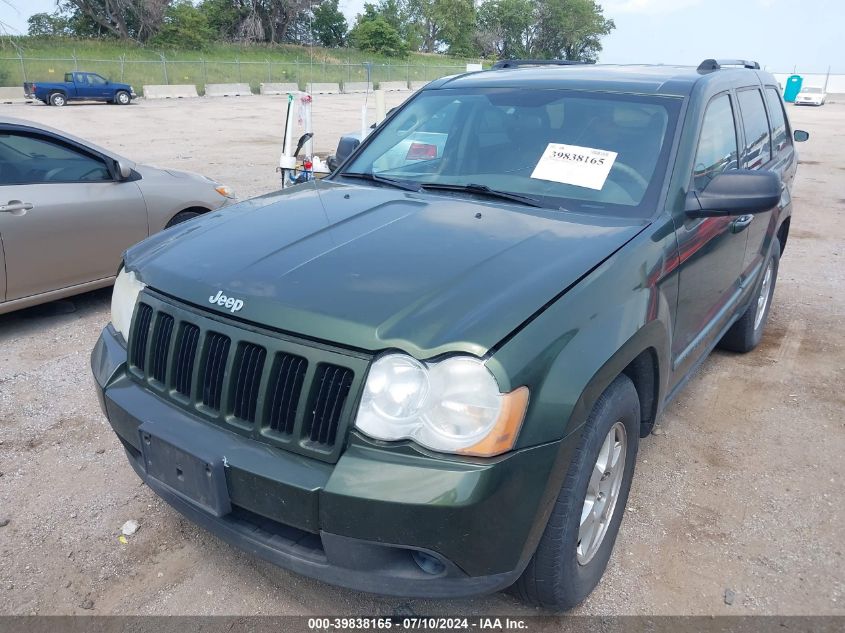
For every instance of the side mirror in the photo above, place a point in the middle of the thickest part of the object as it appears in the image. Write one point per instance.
(735, 192)
(800, 136)
(124, 171)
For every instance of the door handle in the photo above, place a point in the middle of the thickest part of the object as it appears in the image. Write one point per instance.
(741, 223)
(15, 207)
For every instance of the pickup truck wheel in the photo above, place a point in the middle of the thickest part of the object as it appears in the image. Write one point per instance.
(576, 545)
(122, 97)
(746, 333)
(57, 99)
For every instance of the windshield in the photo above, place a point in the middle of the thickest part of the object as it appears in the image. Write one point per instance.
(580, 151)
(813, 90)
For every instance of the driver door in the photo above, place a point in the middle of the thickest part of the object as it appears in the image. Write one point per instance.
(98, 87)
(64, 220)
(710, 250)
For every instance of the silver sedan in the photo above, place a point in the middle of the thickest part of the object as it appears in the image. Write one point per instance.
(68, 210)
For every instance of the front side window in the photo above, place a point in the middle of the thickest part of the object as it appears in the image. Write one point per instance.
(31, 159)
(717, 144)
(580, 151)
(758, 150)
(780, 138)
(96, 80)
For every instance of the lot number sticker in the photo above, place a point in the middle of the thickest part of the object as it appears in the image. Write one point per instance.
(574, 165)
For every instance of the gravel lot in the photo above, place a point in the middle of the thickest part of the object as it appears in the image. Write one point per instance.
(740, 490)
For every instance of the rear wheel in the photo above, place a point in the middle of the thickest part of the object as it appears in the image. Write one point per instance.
(576, 545)
(122, 97)
(747, 332)
(57, 99)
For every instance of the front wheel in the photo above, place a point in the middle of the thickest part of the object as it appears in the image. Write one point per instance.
(57, 99)
(122, 97)
(182, 216)
(746, 333)
(576, 545)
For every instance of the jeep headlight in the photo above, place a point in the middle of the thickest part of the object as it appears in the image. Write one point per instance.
(453, 406)
(127, 287)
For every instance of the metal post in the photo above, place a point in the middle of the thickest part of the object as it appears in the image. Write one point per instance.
(75, 62)
(204, 71)
(23, 66)
(238, 62)
(164, 68)
(269, 77)
(827, 78)
(122, 63)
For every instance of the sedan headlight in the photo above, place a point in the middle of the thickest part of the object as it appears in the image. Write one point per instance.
(453, 406)
(225, 191)
(127, 287)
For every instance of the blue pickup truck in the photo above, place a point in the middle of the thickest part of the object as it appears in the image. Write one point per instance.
(80, 86)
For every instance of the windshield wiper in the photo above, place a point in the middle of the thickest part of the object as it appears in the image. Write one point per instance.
(484, 190)
(399, 184)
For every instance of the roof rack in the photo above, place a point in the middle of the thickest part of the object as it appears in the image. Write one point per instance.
(517, 63)
(718, 64)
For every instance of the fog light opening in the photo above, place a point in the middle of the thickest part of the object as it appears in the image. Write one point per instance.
(428, 563)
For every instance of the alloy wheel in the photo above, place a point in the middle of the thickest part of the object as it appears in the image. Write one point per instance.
(602, 493)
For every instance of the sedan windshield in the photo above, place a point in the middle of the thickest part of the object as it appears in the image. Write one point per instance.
(580, 151)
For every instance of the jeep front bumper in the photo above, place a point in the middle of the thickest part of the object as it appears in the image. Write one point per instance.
(388, 520)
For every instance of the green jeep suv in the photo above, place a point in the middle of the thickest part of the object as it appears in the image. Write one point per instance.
(428, 374)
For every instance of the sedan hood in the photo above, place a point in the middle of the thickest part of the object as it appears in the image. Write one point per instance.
(376, 268)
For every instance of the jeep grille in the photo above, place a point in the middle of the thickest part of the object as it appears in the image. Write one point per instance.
(279, 390)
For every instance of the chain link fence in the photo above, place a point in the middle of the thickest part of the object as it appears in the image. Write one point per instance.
(16, 70)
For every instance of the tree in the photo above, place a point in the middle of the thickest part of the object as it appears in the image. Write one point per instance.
(329, 24)
(507, 27)
(571, 29)
(377, 36)
(184, 26)
(48, 25)
(126, 19)
(443, 24)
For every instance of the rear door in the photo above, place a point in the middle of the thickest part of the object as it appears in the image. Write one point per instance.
(64, 220)
(710, 250)
(757, 154)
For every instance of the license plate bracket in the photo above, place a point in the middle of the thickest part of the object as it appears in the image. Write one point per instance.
(200, 481)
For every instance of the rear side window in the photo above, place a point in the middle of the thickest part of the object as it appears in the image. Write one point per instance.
(758, 150)
(717, 145)
(780, 139)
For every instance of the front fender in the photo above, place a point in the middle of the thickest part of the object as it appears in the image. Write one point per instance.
(573, 350)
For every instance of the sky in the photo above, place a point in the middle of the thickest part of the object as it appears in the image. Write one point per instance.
(783, 35)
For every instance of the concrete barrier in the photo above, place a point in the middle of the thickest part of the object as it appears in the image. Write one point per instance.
(277, 89)
(227, 90)
(323, 89)
(12, 94)
(179, 91)
(393, 86)
(357, 86)
(416, 85)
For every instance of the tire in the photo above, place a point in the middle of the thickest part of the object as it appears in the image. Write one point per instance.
(746, 333)
(564, 569)
(58, 99)
(121, 97)
(182, 216)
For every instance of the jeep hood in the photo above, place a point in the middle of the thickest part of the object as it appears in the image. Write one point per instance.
(375, 268)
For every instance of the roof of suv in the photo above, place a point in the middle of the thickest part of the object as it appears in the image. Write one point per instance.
(643, 79)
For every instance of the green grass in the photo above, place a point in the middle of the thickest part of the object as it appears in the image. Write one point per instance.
(49, 58)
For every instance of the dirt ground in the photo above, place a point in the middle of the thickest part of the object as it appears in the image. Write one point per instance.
(741, 490)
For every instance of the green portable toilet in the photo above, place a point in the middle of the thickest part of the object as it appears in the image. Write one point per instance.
(793, 87)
